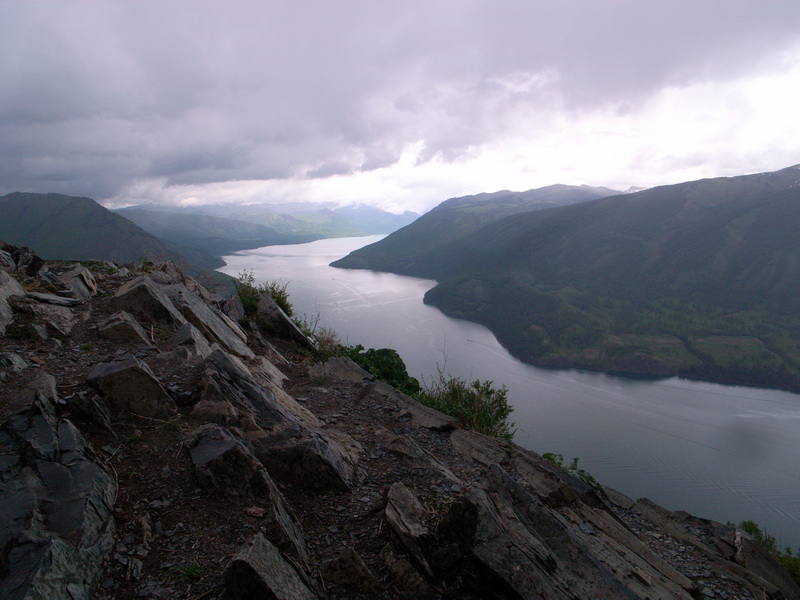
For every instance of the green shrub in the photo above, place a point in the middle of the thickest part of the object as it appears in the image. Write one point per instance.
(386, 365)
(786, 557)
(249, 292)
(477, 405)
(573, 468)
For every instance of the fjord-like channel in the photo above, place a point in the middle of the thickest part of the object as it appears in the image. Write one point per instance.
(720, 452)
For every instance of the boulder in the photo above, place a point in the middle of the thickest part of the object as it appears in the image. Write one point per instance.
(189, 337)
(8, 287)
(53, 299)
(80, 281)
(405, 516)
(143, 297)
(209, 321)
(226, 465)
(128, 385)
(56, 523)
(26, 261)
(233, 307)
(349, 571)
(7, 263)
(259, 571)
(58, 320)
(123, 327)
(12, 362)
(273, 321)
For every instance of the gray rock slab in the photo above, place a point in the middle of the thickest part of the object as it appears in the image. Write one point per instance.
(404, 514)
(53, 299)
(8, 287)
(200, 314)
(273, 321)
(189, 336)
(56, 502)
(80, 281)
(144, 298)
(259, 571)
(129, 385)
(123, 327)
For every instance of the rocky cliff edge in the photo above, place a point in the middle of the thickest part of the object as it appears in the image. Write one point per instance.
(157, 442)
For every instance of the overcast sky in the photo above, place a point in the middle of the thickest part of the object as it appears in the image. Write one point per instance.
(397, 104)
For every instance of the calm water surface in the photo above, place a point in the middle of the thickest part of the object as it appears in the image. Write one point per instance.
(721, 452)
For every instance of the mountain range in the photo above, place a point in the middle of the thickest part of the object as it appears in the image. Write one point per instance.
(699, 279)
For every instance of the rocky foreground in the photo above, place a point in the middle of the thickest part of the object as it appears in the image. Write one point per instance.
(156, 442)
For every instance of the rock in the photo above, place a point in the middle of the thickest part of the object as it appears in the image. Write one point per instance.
(259, 571)
(59, 320)
(350, 572)
(128, 385)
(80, 282)
(7, 263)
(190, 337)
(56, 525)
(340, 368)
(406, 578)
(12, 361)
(273, 321)
(225, 464)
(88, 405)
(8, 287)
(207, 320)
(233, 307)
(52, 299)
(26, 261)
(143, 297)
(405, 515)
(123, 327)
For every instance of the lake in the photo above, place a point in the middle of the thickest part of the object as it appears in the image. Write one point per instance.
(721, 452)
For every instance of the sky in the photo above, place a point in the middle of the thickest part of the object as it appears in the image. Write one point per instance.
(400, 105)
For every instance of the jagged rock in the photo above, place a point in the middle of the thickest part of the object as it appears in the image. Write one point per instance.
(12, 361)
(128, 385)
(8, 287)
(407, 579)
(123, 327)
(417, 460)
(225, 464)
(143, 297)
(259, 571)
(193, 340)
(80, 282)
(340, 368)
(233, 307)
(6, 262)
(88, 405)
(349, 571)
(53, 299)
(271, 318)
(207, 320)
(56, 525)
(405, 515)
(25, 260)
(307, 459)
(58, 320)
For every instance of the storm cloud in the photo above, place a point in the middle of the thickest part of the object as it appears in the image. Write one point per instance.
(400, 104)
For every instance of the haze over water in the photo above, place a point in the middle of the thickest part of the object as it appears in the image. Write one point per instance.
(720, 452)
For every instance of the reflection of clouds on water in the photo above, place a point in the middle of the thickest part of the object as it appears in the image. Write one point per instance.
(745, 437)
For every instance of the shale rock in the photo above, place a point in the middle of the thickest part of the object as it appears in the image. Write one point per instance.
(8, 287)
(144, 298)
(129, 385)
(123, 327)
(259, 571)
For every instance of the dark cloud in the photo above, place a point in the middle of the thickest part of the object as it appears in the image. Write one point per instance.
(96, 96)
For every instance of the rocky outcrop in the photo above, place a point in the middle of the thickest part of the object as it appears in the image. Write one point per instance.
(56, 529)
(235, 465)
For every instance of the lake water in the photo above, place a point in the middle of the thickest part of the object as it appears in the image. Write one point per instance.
(720, 452)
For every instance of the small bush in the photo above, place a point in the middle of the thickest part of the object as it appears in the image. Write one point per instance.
(386, 365)
(573, 469)
(249, 292)
(788, 559)
(477, 405)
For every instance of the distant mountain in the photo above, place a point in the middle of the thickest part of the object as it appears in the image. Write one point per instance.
(300, 221)
(700, 279)
(72, 228)
(405, 251)
(212, 235)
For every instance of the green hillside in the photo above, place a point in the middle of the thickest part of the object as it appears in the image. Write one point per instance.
(71, 228)
(699, 279)
(405, 250)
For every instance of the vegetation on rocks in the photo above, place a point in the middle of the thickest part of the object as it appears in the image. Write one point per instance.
(788, 559)
(249, 291)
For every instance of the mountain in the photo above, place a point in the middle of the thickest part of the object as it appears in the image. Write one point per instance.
(300, 221)
(72, 228)
(402, 251)
(698, 279)
(213, 235)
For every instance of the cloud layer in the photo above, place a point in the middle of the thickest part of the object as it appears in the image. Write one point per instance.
(399, 104)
